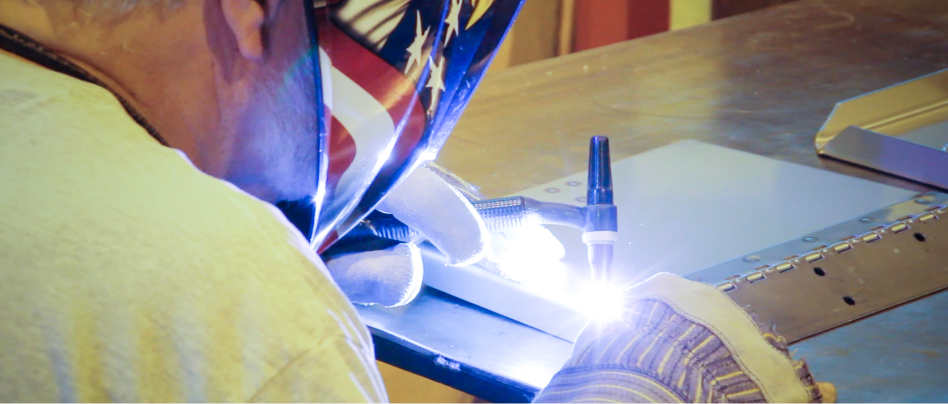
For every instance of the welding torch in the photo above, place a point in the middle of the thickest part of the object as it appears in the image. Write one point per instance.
(598, 219)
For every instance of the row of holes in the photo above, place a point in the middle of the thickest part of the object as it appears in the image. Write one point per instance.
(849, 300)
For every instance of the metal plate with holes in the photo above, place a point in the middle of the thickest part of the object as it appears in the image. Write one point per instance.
(682, 208)
(858, 275)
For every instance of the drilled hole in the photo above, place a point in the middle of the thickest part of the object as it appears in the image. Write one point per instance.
(819, 271)
(849, 300)
(919, 236)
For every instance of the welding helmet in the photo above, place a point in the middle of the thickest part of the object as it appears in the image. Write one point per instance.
(394, 77)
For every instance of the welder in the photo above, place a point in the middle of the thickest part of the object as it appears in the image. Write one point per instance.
(143, 144)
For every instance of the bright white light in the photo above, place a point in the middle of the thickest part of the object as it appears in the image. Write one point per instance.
(531, 255)
(601, 302)
(527, 253)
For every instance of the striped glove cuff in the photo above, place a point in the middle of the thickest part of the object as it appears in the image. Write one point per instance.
(694, 345)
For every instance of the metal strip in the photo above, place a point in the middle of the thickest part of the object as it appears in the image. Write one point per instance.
(844, 278)
(890, 154)
(413, 357)
(899, 130)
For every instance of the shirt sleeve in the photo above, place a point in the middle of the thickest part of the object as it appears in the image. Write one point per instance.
(306, 379)
(341, 367)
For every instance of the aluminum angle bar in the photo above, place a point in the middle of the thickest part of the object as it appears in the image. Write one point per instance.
(901, 130)
(847, 275)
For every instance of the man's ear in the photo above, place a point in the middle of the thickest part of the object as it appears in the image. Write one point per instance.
(246, 19)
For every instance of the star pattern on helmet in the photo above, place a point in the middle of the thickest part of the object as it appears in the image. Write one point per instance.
(407, 66)
(435, 82)
(452, 24)
(417, 46)
(421, 48)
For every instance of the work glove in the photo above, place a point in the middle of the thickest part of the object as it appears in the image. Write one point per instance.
(676, 340)
(441, 214)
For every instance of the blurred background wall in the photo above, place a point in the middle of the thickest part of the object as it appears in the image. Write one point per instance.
(549, 28)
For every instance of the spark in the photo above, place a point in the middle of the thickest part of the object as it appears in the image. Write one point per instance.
(602, 302)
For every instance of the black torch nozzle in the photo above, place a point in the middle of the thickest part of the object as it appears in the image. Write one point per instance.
(599, 190)
(601, 228)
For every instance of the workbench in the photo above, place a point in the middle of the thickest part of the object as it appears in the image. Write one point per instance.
(763, 83)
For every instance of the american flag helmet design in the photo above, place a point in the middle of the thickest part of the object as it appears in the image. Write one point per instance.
(395, 77)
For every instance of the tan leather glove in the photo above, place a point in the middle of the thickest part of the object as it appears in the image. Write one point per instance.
(681, 341)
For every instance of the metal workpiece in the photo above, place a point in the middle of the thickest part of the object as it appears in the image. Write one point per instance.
(685, 207)
(859, 271)
(458, 344)
(762, 83)
(902, 130)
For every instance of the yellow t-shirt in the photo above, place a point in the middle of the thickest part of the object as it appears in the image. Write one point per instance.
(128, 275)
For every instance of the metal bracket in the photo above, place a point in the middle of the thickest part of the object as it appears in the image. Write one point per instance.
(902, 130)
(847, 277)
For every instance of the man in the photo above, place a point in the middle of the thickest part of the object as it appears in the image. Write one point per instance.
(132, 270)
(128, 274)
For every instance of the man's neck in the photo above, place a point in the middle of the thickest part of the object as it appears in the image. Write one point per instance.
(113, 53)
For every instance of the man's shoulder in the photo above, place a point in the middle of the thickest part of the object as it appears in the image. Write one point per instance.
(111, 240)
(77, 166)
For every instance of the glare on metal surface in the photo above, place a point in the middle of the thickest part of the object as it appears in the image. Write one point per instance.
(528, 254)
